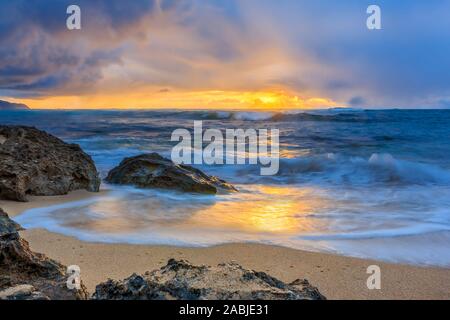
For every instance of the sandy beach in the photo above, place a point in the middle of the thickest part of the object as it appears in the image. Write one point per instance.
(337, 277)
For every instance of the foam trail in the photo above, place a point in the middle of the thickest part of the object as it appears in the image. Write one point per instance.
(364, 183)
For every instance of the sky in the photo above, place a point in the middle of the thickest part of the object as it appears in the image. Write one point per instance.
(221, 54)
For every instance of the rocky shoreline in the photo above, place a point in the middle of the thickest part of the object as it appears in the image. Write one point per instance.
(180, 280)
(33, 162)
(26, 275)
(154, 171)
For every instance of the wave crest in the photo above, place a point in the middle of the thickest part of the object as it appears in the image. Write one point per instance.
(377, 169)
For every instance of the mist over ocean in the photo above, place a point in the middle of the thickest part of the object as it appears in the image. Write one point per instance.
(361, 183)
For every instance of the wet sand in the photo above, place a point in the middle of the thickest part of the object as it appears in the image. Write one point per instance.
(337, 277)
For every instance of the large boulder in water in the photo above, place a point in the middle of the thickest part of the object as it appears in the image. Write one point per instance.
(26, 275)
(154, 171)
(181, 280)
(33, 162)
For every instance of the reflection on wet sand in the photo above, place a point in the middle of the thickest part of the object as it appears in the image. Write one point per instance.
(270, 209)
(296, 216)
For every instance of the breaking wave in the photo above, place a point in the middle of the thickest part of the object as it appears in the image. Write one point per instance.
(330, 115)
(243, 116)
(378, 169)
(357, 182)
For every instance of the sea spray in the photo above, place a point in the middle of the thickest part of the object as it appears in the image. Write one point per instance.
(241, 146)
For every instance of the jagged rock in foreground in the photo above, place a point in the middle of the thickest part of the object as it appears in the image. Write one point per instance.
(33, 162)
(182, 280)
(154, 171)
(22, 292)
(25, 275)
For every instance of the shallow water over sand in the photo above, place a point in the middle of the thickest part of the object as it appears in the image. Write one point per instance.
(302, 218)
(372, 184)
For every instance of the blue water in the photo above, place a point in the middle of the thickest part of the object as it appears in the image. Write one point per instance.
(360, 183)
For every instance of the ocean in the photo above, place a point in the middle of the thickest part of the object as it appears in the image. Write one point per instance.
(372, 184)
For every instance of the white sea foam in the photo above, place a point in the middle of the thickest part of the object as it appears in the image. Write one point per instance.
(361, 183)
(339, 169)
(237, 115)
(330, 220)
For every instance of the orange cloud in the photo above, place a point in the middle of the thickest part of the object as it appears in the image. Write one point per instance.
(158, 60)
(159, 99)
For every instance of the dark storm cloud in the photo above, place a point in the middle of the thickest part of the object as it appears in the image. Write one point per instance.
(39, 53)
(321, 48)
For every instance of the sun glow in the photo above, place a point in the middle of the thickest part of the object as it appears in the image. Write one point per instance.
(167, 98)
(276, 213)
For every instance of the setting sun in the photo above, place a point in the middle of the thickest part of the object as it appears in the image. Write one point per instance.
(159, 99)
(218, 150)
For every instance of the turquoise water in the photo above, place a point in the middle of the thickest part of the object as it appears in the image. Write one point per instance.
(361, 183)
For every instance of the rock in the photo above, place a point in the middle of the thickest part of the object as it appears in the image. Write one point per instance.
(5, 105)
(22, 292)
(20, 266)
(7, 226)
(33, 162)
(184, 281)
(154, 171)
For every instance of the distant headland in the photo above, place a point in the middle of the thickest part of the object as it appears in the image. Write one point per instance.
(5, 105)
